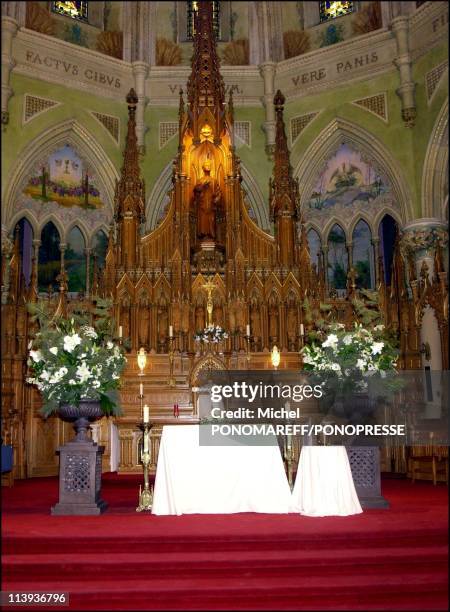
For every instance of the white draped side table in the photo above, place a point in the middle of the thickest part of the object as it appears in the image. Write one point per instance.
(324, 483)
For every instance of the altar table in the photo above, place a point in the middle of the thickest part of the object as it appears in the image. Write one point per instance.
(324, 483)
(194, 479)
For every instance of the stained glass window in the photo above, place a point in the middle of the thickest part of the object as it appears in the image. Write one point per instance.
(75, 261)
(315, 247)
(337, 258)
(75, 10)
(363, 255)
(331, 10)
(49, 258)
(388, 233)
(192, 8)
(26, 248)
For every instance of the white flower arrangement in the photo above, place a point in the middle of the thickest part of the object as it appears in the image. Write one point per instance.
(211, 334)
(69, 362)
(351, 356)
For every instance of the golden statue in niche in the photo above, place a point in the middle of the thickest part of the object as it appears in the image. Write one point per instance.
(206, 198)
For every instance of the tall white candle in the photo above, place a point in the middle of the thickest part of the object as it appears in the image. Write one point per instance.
(302, 329)
(171, 331)
(146, 414)
(120, 331)
(248, 330)
(141, 389)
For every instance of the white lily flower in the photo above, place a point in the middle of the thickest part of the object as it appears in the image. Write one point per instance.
(361, 364)
(36, 356)
(331, 341)
(377, 347)
(70, 342)
(83, 372)
(54, 350)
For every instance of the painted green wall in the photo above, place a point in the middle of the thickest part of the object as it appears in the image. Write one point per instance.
(408, 146)
(75, 104)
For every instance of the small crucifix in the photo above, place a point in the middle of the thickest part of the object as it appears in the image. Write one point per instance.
(209, 287)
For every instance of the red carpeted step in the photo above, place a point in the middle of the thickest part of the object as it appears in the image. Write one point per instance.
(109, 545)
(380, 560)
(220, 563)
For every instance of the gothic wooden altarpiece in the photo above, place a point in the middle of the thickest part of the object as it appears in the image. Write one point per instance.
(157, 280)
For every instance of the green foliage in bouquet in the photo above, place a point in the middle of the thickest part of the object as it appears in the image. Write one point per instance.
(359, 360)
(75, 358)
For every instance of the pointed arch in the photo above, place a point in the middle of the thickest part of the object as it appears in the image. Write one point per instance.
(102, 228)
(81, 226)
(208, 362)
(85, 144)
(28, 215)
(341, 131)
(435, 168)
(330, 224)
(361, 216)
(56, 222)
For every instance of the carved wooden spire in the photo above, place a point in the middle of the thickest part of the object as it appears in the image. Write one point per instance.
(130, 183)
(205, 88)
(130, 192)
(283, 184)
(283, 190)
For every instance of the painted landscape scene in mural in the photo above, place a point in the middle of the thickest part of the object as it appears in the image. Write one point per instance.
(65, 180)
(347, 184)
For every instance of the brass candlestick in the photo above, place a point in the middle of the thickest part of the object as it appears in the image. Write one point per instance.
(146, 495)
(141, 361)
(247, 345)
(289, 458)
(171, 359)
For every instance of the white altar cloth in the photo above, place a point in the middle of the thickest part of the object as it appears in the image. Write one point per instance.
(194, 479)
(324, 483)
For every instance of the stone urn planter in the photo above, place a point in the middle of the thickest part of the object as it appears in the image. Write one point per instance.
(86, 412)
(80, 463)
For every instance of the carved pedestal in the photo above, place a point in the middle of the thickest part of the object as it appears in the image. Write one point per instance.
(365, 466)
(80, 479)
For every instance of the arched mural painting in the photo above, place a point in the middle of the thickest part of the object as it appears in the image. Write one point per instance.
(63, 184)
(349, 183)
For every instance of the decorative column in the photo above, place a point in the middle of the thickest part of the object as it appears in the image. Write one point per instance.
(139, 32)
(62, 248)
(140, 72)
(15, 10)
(9, 30)
(403, 62)
(87, 252)
(420, 239)
(349, 247)
(376, 261)
(267, 71)
(325, 268)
